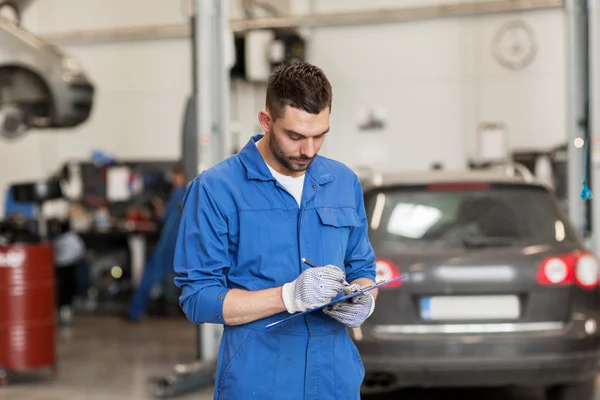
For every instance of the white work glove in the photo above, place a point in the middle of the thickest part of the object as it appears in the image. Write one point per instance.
(352, 312)
(314, 287)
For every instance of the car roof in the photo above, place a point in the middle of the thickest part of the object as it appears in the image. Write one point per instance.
(417, 178)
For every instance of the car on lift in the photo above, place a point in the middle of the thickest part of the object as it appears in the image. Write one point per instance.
(499, 289)
(41, 87)
(13, 9)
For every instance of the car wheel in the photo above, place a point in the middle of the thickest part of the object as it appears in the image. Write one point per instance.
(12, 122)
(573, 391)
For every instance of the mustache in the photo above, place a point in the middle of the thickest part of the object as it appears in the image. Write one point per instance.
(303, 158)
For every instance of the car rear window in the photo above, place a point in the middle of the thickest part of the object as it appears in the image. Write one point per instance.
(466, 215)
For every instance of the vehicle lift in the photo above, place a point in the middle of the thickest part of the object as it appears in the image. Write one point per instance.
(204, 135)
(582, 26)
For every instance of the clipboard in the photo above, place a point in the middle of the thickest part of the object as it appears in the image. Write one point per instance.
(334, 301)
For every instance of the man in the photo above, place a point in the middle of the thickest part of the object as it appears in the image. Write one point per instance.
(70, 264)
(160, 263)
(247, 223)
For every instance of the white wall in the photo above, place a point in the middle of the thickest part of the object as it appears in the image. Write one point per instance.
(435, 81)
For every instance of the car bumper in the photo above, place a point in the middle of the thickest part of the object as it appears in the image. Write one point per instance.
(525, 358)
(549, 369)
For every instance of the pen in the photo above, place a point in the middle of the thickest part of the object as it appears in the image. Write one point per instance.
(357, 331)
(313, 265)
(309, 263)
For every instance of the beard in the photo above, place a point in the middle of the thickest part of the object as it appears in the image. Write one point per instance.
(290, 163)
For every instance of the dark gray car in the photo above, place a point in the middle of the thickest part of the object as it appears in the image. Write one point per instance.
(499, 289)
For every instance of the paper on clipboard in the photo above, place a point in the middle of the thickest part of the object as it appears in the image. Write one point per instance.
(335, 301)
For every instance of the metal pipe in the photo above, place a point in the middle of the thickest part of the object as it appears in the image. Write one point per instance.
(189, 142)
(222, 81)
(219, 94)
(205, 14)
(381, 16)
(576, 28)
(405, 14)
(594, 109)
(211, 92)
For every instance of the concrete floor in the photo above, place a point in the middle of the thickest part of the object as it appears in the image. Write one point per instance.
(106, 358)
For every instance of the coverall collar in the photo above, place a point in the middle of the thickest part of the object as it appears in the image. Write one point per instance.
(256, 168)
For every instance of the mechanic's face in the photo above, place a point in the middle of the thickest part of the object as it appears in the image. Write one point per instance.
(295, 138)
(178, 180)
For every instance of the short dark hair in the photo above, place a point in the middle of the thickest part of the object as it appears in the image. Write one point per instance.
(177, 169)
(300, 85)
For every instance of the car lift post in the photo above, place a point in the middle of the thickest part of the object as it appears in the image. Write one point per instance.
(577, 124)
(206, 125)
(593, 26)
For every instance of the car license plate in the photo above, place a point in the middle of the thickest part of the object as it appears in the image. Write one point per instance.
(448, 308)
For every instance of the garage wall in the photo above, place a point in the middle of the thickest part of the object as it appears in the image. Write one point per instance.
(432, 81)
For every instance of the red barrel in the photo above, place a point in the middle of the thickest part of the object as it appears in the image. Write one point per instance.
(27, 307)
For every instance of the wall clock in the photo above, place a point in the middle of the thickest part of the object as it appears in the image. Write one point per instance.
(514, 45)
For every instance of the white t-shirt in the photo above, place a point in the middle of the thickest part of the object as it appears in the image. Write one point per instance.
(294, 185)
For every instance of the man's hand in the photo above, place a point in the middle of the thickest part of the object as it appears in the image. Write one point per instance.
(354, 311)
(314, 287)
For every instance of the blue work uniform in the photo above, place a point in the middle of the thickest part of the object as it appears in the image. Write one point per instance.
(160, 263)
(242, 229)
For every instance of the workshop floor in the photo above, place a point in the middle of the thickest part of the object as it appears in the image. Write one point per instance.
(105, 358)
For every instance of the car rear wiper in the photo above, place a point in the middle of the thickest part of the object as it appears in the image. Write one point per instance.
(484, 241)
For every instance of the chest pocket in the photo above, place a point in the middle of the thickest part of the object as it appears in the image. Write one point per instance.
(336, 225)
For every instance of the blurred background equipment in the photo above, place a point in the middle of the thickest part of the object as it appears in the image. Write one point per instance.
(27, 286)
(41, 87)
(27, 295)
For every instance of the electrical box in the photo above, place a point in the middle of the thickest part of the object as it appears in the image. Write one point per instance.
(259, 51)
(257, 48)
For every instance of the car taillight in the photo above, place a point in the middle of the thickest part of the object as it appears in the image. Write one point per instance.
(565, 269)
(586, 271)
(387, 270)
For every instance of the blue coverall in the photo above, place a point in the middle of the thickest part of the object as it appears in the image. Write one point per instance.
(160, 264)
(242, 229)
